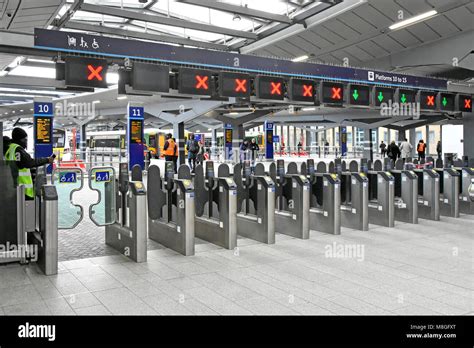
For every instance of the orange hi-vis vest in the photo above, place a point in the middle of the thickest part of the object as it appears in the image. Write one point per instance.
(421, 147)
(171, 150)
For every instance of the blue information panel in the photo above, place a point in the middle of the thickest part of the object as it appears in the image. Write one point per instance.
(276, 138)
(102, 176)
(135, 140)
(43, 130)
(343, 140)
(67, 178)
(268, 140)
(228, 141)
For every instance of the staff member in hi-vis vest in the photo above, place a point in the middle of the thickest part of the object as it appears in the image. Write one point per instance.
(21, 162)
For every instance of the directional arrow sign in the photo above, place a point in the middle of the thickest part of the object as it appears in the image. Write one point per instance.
(403, 99)
(355, 95)
(380, 97)
(445, 101)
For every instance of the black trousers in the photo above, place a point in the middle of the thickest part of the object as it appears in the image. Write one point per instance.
(173, 159)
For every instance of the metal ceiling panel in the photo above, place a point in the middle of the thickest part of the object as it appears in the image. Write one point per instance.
(38, 11)
(360, 54)
(327, 34)
(414, 7)
(388, 43)
(461, 17)
(307, 45)
(293, 48)
(315, 39)
(441, 25)
(373, 48)
(404, 37)
(342, 56)
(373, 15)
(423, 32)
(388, 8)
(341, 29)
(35, 18)
(357, 23)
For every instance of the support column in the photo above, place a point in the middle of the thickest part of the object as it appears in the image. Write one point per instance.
(178, 134)
(427, 140)
(412, 140)
(309, 139)
(214, 143)
(295, 139)
(238, 135)
(368, 147)
(1, 139)
(468, 142)
(83, 142)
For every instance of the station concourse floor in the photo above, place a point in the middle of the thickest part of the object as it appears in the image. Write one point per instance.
(410, 269)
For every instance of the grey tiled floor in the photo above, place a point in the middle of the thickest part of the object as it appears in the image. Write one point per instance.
(410, 269)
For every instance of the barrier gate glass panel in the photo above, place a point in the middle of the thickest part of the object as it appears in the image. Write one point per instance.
(68, 181)
(102, 180)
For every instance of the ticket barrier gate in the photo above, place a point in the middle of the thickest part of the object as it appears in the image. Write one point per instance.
(171, 211)
(466, 200)
(255, 203)
(428, 194)
(128, 233)
(325, 200)
(406, 195)
(381, 198)
(216, 204)
(292, 200)
(449, 192)
(36, 228)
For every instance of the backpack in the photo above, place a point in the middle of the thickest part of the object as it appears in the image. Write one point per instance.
(193, 146)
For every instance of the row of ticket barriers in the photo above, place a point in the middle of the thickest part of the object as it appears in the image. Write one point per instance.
(217, 203)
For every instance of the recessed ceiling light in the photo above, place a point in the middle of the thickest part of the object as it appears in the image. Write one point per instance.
(413, 20)
(120, 97)
(309, 109)
(300, 59)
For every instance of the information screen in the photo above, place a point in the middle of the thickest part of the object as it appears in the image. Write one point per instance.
(465, 103)
(136, 131)
(359, 95)
(234, 85)
(301, 90)
(332, 92)
(228, 136)
(195, 81)
(86, 72)
(44, 130)
(427, 100)
(151, 77)
(446, 101)
(406, 96)
(383, 95)
(269, 87)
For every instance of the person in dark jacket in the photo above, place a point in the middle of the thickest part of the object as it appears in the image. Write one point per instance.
(21, 162)
(439, 149)
(6, 143)
(393, 152)
(193, 149)
(244, 147)
(383, 149)
(254, 148)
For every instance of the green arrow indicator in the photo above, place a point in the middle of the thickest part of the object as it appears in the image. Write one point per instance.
(403, 99)
(444, 101)
(380, 97)
(355, 95)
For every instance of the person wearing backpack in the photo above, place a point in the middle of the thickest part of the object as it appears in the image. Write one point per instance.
(193, 148)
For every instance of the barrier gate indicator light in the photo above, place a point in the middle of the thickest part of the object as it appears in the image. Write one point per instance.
(307, 90)
(202, 82)
(276, 88)
(444, 101)
(94, 72)
(403, 98)
(430, 100)
(336, 93)
(467, 103)
(240, 85)
(355, 95)
(380, 97)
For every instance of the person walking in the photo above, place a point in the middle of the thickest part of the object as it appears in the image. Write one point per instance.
(22, 162)
(393, 152)
(244, 147)
(300, 148)
(254, 148)
(421, 149)
(405, 149)
(170, 151)
(439, 149)
(193, 148)
(383, 149)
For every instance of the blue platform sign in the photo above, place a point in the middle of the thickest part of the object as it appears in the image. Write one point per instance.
(43, 130)
(102, 176)
(67, 178)
(343, 140)
(228, 140)
(136, 140)
(276, 138)
(268, 140)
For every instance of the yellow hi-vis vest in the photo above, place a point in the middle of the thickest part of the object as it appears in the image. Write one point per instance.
(24, 174)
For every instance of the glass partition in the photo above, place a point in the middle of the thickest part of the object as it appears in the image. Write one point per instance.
(102, 180)
(68, 181)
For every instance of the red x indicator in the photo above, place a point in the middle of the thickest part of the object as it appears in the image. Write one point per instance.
(430, 100)
(94, 73)
(202, 82)
(467, 103)
(276, 88)
(336, 93)
(307, 91)
(240, 85)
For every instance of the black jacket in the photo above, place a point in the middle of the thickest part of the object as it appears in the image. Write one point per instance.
(26, 161)
(393, 151)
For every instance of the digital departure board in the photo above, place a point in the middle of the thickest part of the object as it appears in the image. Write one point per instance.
(136, 131)
(427, 100)
(269, 87)
(446, 101)
(406, 96)
(86, 72)
(359, 95)
(234, 85)
(43, 130)
(151, 77)
(464, 103)
(382, 95)
(195, 81)
(301, 90)
(332, 93)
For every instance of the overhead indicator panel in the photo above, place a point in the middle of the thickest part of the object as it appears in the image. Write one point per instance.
(427, 100)
(332, 93)
(301, 90)
(446, 101)
(234, 85)
(269, 87)
(382, 95)
(464, 103)
(151, 77)
(359, 95)
(406, 96)
(86, 72)
(195, 81)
